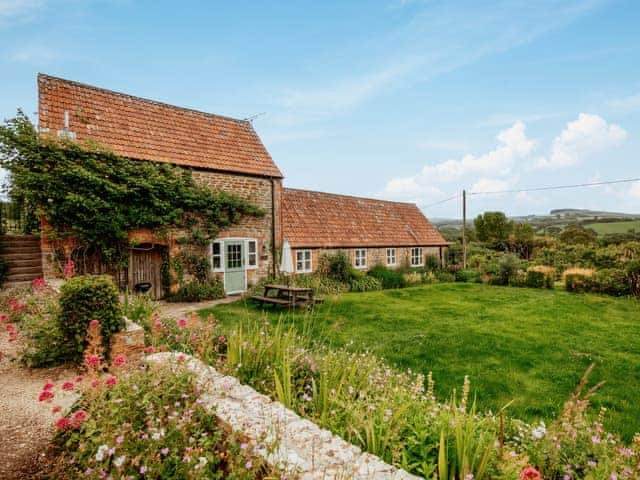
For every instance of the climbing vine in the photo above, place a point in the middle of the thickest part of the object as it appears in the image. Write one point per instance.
(98, 197)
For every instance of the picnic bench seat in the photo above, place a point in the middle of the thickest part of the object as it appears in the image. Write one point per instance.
(287, 296)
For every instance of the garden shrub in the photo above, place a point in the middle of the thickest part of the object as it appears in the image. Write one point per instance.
(432, 263)
(85, 298)
(540, 276)
(416, 278)
(365, 283)
(504, 270)
(138, 307)
(578, 280)
(389, 278)
(633, 276)
(468, 276)
(196, 291)
(320, 284)
(445, 277)
(337, 266)
(610, 281)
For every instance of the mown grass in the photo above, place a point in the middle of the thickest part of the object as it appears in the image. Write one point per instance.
(521, 345)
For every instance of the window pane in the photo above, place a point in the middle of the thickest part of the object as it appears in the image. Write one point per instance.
(216, 248)
(252, 246)
(216, 262)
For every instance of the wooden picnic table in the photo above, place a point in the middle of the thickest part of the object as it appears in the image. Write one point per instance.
(286, 296)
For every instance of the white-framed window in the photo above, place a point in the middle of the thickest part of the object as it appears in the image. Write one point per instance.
(416, 257)
(391, 257)
(360, 258)
(303, 261)
(252, 254)
(217, 257)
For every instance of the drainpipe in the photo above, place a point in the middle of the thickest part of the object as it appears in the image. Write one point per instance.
(273, 225)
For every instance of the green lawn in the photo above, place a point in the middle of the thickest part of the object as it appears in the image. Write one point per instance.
(522, 345)
(615, 227)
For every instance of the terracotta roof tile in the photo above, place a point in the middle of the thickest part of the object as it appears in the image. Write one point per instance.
(326, 220)
(148, 130)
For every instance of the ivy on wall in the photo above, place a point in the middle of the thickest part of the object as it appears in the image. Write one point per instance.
(98, 197)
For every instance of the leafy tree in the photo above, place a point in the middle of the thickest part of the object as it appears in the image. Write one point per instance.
(522, 239)
(575, 234)
(97, 197)
(493, 228)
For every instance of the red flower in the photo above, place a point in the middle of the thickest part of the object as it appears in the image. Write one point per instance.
(92, 360)
(111, 381)
(120, 360)
(78, 417)
(182, 323)
(48, 386)
(94, 323)
(221, 339)
(181, 357)
(56, 409)
(79, 379)
(149, 350)
(63, 424)
(39, 283)
(68, 386)
(530, 473)
(10, 327)
(95, 383)
(4, 318)
(45, 396)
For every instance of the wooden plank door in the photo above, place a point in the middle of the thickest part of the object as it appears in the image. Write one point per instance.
(145, 266)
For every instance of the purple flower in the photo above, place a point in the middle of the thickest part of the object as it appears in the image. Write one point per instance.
(249, 464)
(164, 451)
(143, 469)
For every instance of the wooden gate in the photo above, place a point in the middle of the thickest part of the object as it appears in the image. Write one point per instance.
(145, 270)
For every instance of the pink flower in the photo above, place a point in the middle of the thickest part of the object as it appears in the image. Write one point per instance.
(68, 386)
(164, 452)
(120, 360)
(4, 318)
(221, 339)
(95, 382)
(119, 439)
(94, 323)
(38, 283)
(149, 350)
(45, 396)
(111, 381)
(530, 473)
(249, 464)
(181, 357)
(182, 323)
(92, 360)
(79, 379)
(63, 424)
(143, 470)
(69, 269)
(48, 386)
(56, 409)
(78, 417)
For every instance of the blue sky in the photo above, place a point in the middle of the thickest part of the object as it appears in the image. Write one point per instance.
(406, 100)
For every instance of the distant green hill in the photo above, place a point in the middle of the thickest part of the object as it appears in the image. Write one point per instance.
(605, 228)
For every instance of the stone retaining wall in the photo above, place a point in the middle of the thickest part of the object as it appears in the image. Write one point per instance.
(300, 445)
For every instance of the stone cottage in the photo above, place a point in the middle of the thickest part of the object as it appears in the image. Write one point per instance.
(371, 232)
(227, 155)
(223, 153)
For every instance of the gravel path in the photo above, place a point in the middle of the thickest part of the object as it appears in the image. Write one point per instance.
(26, 425)
(177, 310)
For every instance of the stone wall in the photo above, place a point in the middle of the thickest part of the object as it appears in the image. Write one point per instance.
(376, 255)
(300, 445)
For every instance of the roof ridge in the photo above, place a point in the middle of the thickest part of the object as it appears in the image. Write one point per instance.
(143, 99)
(352, 196)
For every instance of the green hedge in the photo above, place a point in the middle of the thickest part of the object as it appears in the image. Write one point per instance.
(85, 298)
(388, 278)
(196, 291)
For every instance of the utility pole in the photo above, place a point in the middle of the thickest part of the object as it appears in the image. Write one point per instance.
(464, 229)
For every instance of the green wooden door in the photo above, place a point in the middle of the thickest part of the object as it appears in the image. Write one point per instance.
(234, 268)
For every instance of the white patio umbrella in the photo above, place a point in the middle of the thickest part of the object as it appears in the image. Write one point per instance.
(286, 261)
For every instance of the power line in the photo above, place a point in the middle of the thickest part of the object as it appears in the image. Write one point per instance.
(558, 187)
(453, 197)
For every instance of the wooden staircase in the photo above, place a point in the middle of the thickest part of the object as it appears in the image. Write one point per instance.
(23, 252)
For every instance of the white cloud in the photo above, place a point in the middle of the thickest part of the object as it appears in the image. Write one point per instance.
(34, 55)
(489, 171)
(586, 135)
(12, 9)
(634, 191)
(626, 104)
